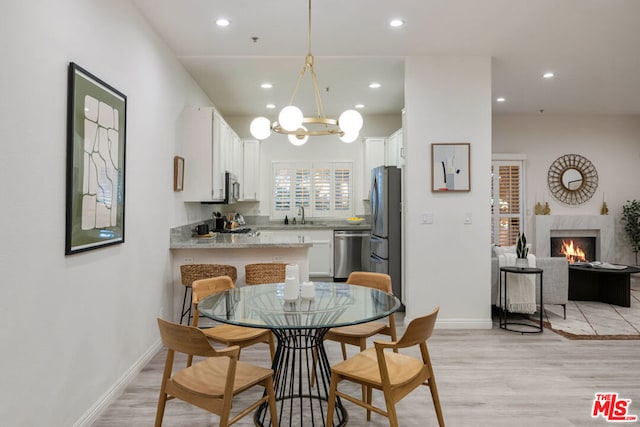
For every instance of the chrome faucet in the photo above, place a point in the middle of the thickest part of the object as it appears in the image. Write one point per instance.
(301, 209)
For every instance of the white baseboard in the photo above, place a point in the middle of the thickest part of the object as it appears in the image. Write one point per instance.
(94, 412)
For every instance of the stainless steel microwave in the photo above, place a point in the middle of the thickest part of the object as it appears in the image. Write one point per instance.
(231, 191)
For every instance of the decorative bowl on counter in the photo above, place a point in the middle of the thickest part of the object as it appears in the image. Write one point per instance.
(355, 220)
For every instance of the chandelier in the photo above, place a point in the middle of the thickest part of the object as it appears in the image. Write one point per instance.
(292, 122)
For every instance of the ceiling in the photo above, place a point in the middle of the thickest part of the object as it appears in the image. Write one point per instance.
(590, 45)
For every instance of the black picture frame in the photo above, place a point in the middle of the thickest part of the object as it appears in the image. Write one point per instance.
(96, 160)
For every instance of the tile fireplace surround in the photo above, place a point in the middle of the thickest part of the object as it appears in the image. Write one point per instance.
(599, 226)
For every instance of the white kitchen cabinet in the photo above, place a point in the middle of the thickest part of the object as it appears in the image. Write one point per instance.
(320, 254)
(207, 150)
(238, 162)
(393, 150)
(251, 170)
(374, 156)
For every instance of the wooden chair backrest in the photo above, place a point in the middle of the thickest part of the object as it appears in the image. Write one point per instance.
(185, 339)
(192, 272)
(204, 287)
(378, 281)
(419, 330)
(266, 272)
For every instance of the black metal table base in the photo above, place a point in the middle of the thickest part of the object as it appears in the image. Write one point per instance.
(504, 323)
(301, 400)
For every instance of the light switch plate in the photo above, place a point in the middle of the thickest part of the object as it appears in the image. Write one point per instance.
(467, 218)
(427, 218)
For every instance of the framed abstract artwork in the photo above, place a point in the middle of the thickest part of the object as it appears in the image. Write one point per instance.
(450, 164)
(96, 135)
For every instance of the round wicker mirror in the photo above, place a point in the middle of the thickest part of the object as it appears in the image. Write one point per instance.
(572, 179)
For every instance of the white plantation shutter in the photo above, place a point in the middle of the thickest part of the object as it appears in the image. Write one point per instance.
(302, 187)
(324, 189)
(321, 190)
(507, 201)
(342, 188)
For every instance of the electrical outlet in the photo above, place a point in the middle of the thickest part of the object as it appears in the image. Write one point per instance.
(277, 259)
(187, 259)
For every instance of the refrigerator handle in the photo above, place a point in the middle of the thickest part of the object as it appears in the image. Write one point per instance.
(374, 199)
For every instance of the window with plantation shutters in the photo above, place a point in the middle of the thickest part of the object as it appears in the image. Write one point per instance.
(507, 201)
(324, 189)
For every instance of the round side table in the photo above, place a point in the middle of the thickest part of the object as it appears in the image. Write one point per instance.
(504, 323)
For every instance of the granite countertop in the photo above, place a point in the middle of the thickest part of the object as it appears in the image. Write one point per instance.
(237, 240)
(182, 237)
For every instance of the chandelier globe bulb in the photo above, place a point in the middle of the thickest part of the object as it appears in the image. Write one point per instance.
(260, 128)
(349, 137)
(300, 138)
(350, 121)
(290, 118)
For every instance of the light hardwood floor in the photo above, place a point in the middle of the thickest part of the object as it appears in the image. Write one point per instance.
(485, 378)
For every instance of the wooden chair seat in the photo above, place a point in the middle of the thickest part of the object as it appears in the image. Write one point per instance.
(362, 330)
(232, 334)
(363, 368)
(208, 378)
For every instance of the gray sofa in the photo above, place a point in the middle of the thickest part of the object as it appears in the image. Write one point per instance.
(555, 286)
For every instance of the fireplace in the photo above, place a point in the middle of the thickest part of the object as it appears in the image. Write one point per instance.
(599, 227)
(575, 249)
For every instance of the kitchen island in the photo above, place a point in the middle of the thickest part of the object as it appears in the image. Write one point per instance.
(267, 242)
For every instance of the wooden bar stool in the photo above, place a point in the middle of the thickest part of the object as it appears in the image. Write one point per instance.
(192, 272)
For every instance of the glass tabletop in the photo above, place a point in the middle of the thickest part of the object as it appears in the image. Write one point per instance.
(334, 304)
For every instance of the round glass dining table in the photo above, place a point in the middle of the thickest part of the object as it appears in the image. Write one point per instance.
(301, 368)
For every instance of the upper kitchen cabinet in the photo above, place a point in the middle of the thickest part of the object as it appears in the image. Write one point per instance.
(250, 186)
(246, 165)
(208, 146)
(374, 156)
(393, 150)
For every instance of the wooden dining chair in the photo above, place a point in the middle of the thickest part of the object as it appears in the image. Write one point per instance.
(191, 272)
(212, 383)
(266, 272)
(357, 334)
(226, 334)
(395, 374)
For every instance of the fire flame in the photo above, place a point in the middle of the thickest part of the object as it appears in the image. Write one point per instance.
(572, 253)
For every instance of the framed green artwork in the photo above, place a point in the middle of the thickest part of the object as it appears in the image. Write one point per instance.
(96, 135)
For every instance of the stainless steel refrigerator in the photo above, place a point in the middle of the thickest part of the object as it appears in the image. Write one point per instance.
(386, 247)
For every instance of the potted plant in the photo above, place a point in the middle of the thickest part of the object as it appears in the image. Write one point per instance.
(631, 221)
(522, 251)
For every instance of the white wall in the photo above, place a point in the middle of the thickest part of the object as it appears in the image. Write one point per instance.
(321, 149)
(73, 326)
(611, 143)
(448, 99)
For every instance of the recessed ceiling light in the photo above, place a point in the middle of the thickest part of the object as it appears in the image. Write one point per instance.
(374, 85)
(222, 22)
(266, 85)
(548, 75)
(271, 106)
(396, 23)
(500, 99)
(359, 105)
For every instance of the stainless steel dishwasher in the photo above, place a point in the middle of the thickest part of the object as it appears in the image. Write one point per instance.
(350, 252)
